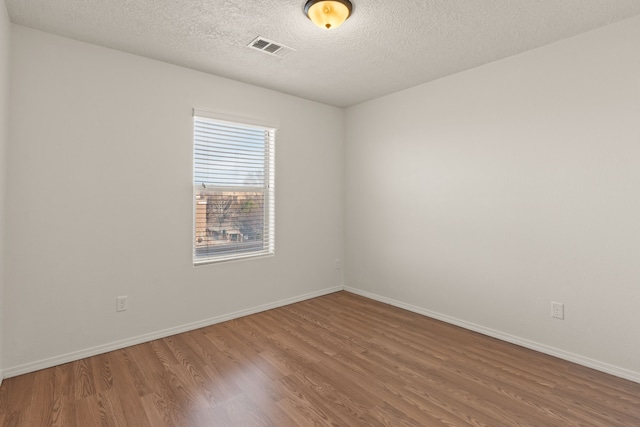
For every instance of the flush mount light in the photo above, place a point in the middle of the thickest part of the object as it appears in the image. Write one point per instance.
(328, 14)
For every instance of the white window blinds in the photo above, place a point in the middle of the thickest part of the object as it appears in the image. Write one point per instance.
(233, 189)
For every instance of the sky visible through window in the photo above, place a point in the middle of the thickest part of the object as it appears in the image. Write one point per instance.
(229, 156)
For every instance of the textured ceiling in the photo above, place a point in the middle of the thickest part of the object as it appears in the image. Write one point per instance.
(386, 45)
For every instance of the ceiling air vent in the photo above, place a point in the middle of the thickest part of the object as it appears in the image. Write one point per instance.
(270, 47)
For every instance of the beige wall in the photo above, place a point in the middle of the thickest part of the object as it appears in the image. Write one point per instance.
(4, 135)
(479, 198)
(101, 161)
(484, 196)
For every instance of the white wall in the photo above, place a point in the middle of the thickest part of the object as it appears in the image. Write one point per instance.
(100, 200)
(479, 198)
(4, 134)
(484, 196)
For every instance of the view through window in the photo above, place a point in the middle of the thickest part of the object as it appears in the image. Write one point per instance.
(233, 189)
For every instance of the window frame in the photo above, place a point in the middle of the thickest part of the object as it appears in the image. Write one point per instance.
(267, 191)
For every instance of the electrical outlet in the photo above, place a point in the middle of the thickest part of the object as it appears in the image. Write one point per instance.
(557, 310)
(337, 264)
(121, 303)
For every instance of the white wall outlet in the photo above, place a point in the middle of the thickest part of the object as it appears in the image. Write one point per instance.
(557, 310)
(337, 264)
(121, 303)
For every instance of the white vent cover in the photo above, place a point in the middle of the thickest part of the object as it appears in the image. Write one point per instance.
(270, 47)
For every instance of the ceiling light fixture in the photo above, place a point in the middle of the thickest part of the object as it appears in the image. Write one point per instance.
(328, 14)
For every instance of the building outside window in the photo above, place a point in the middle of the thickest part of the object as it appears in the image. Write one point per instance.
(233, 188)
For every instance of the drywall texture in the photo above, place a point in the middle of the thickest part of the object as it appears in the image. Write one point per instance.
(486, 195)
(4, 135)
(383, 47)
(100, 198)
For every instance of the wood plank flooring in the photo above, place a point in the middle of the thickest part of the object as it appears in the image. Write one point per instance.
(337, 360)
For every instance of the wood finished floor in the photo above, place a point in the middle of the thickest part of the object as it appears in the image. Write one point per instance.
(337, 360)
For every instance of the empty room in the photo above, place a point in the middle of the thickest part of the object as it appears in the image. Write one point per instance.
(319, 213)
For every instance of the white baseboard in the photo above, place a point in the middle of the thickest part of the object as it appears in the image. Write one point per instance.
(76, 355)
(552, 351)
(81, 354)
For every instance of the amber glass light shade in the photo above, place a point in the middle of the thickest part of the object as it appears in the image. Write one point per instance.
(328, 14)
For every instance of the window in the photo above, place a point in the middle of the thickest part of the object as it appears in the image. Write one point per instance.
(233, 187)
